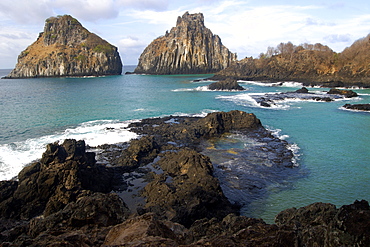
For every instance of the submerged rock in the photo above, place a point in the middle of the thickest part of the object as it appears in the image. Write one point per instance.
(189, 48)
(66, 48)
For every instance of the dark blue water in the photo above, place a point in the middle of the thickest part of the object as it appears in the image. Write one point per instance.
(334, 149)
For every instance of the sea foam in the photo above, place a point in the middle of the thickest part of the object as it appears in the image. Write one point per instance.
(14, 156)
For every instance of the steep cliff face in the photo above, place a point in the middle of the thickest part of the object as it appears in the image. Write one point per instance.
(311, 64)
(189, 48)
(66, 48)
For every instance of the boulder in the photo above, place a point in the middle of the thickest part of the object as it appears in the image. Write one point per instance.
(143, 230)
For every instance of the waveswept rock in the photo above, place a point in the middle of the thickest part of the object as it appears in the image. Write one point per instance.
(226, 85)
(345, 93)
(45, 187)
(358, 107)
(189, 48)
(66, 48)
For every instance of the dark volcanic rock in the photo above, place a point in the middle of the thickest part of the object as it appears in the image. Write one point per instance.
(63, 199)
(187, 190)
(66, 48)
(268, 100)
(46, 187)
(345, 93)
(189, 48)
(358, 107)
(226, 85)
(302, 90)
(321, 224)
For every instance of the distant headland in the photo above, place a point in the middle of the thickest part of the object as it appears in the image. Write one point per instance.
(310, 64)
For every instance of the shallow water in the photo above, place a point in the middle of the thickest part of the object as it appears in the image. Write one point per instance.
(333, 143)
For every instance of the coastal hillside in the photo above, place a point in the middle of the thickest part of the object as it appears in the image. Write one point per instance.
(311, 64)
(189, 48)
(66, 48)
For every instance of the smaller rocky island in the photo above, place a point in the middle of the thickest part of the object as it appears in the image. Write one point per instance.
(189, 48)
(226, 85)
(66, 48)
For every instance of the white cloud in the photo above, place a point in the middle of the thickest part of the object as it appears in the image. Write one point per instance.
(157, 5)
(89, 10)
(130, 48)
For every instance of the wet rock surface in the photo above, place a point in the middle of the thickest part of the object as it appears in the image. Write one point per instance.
(270, 99)
(69, 198)
(226, 85)
(357, 107)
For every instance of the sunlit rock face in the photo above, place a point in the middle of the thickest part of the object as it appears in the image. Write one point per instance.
(189, 48)
(66, 48)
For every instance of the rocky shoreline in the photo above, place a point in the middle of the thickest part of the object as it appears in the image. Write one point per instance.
(74, 197)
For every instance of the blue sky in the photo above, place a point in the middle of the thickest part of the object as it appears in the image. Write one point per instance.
(246, 27)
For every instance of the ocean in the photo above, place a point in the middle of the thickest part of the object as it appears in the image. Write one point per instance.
(331, 145)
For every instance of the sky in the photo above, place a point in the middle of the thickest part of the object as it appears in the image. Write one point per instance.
(246, 27)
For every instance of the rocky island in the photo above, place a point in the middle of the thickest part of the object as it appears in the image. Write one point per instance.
(70, 198)
(189, 48)
(66, 48)
(310, 64)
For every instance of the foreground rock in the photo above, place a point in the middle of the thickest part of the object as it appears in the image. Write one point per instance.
(66, 48)
(310, 64)
(66, 198)
(357, 107)
(65, 192)
(189, 48)
(226, 85)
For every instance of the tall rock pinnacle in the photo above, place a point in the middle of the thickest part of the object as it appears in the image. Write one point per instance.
(66, 48)
(189, 48)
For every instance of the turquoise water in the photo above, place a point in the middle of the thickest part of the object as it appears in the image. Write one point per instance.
(334, 151)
